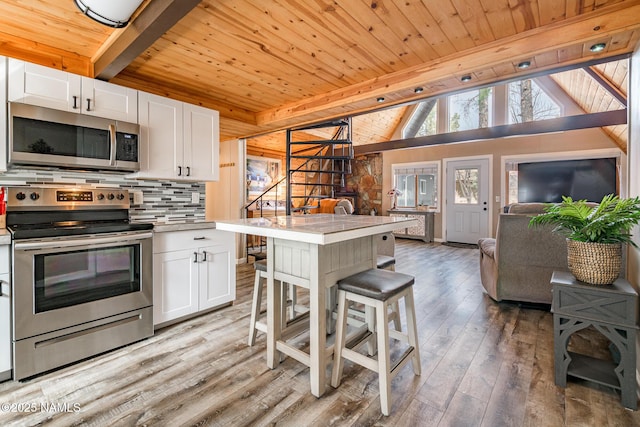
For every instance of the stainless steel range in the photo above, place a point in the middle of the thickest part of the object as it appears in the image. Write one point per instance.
(82, 275)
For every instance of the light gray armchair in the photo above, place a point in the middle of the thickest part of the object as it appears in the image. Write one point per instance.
(518, 263)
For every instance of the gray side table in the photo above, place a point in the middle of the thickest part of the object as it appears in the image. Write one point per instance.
(424, 229)
(613, 311)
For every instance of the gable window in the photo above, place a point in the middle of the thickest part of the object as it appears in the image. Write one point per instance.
(528, 102)
(423, 120)
(417, 183)
(471, 110)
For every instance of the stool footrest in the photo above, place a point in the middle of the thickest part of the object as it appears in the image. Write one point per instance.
(261, 326)
(360, 359)
(358, 339)
(403, 360)
(294, 353)
(398, 336)
(296, 326)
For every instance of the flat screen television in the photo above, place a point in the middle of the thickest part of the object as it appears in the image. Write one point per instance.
(589, 179)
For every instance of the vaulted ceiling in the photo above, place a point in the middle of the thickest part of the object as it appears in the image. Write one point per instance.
(270, 65)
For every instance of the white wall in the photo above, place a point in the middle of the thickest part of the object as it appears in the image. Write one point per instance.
(224, 199)
(633, 152)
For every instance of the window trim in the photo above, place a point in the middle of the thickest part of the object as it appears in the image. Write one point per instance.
(419, 165)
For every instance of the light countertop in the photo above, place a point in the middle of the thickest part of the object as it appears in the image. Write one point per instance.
(162, 227)
(319, 229)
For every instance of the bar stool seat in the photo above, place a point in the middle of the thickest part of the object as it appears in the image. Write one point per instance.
(378, 289)
(385, 262)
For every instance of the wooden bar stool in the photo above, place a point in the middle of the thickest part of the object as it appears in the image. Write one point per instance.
(378, 289)
(255, 325)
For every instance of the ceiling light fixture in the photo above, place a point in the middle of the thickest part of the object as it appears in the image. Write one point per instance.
(113, 13)
(380, 99)
(465, 79)
(524, 64)
(418, 90)
(598, 47)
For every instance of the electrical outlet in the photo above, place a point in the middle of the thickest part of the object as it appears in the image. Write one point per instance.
(195, 197)
(138, 198)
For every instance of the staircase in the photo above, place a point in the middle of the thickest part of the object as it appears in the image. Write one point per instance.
(316, 168)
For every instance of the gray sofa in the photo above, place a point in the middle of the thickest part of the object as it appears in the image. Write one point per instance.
(518, 263)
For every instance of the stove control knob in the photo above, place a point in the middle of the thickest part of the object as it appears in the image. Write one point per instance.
(100, 196)
(110, 196)
(34, 196)
(120, 196)
(21, 196)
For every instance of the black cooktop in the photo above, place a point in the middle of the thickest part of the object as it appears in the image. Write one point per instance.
(41, 224)
(71, 228)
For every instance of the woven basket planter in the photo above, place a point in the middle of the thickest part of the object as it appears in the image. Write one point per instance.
(594, 263)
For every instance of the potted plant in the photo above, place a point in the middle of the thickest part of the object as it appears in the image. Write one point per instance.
(595, 234)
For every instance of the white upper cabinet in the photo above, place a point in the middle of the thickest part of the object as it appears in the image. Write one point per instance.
(105, 99)
(201, 143)
(47, 87)
(161, 136)
(178, 141)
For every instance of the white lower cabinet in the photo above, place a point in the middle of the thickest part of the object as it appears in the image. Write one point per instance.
(5, 315)
(193, 270)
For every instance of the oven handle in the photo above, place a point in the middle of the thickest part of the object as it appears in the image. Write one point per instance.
(121, 238)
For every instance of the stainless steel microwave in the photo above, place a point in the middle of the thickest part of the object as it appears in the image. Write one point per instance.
(45, 137)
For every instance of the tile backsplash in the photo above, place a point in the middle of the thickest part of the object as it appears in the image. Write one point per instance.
(163, 201)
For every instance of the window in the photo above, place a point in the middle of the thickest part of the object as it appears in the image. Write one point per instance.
(466, 191)
(471, 110)
(528, 102)
(423, 120)
(417, 183)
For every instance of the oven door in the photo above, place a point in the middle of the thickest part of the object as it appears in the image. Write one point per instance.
(59, 283)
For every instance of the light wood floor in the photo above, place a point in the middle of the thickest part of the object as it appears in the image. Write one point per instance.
(483, 364)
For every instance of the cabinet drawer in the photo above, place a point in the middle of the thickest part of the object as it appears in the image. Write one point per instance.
(187, 239)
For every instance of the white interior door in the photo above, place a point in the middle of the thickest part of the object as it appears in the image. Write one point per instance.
(467, 202)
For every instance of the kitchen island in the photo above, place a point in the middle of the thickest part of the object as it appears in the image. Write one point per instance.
(314, 252)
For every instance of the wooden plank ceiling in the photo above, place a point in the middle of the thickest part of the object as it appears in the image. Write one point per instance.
(270, 65)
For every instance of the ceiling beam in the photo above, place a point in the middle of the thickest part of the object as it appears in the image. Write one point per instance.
(127, 44)
(561, 124)
(606, 84)
(585, 29)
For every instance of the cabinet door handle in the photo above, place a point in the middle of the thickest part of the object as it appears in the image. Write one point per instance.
(188, 171)
(204, 256)
(195, 257)
(2, 292)
(75, 102)
(179, 170)
(199, 238)
(88, 104)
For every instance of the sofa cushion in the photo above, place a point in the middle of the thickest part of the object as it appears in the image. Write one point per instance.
(488, 246)
(527, 208)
